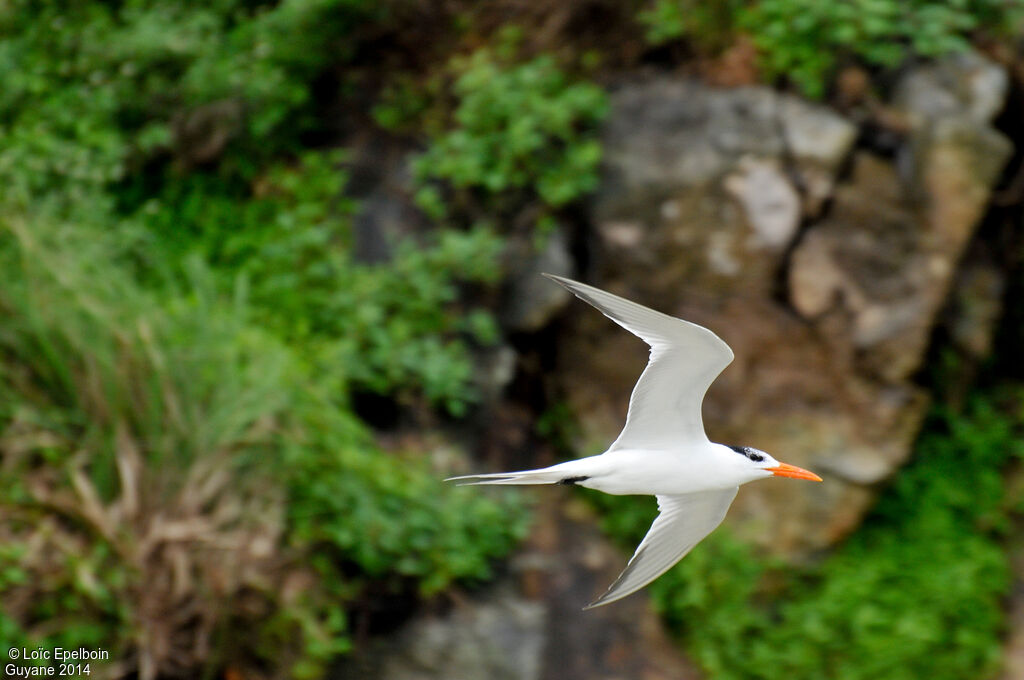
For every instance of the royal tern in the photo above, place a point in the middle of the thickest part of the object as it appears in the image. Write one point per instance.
(662, 450)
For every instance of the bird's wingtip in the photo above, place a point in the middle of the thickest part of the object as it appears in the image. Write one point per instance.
(601, 601)
(564, 282)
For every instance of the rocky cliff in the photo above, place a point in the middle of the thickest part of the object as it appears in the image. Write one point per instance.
(823, 263)
(824, 246)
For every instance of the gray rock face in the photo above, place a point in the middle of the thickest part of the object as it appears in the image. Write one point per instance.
(817, 141)
(664, 134)
(568, 563)
(531, 301)
(500, 638)
(381, 183)
(530, 626)
(866, 276)
(700, 217)
(770, 203)
(712, 184)
(497, 640)
(965, 84)
(877, 270)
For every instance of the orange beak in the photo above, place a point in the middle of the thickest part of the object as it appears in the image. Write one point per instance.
(785, 470)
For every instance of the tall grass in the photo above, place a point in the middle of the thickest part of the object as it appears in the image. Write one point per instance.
(172, 473)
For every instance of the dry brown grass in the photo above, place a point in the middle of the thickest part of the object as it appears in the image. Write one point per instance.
(124, 489)
(190, 564)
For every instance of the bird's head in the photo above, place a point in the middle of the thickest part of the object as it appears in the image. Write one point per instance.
(759, 464)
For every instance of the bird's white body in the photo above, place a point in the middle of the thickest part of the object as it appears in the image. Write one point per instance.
(696, 467)
(662, 450)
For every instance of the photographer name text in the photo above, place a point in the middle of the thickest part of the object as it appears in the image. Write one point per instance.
(34, 662)
(58, 654)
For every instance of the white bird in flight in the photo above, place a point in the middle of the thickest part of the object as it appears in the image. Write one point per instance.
(662, 450)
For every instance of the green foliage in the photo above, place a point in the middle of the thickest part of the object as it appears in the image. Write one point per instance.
(404, 102)
(86, 351)
(117, 405)
(805, 40)
(392, 328)
(710, 25)
(915, 593)
(111, 402)
(524, 127)
(388, 516)
(94, 87)
(402, 326)
(184, 321)
(195, 335)
(802, 39)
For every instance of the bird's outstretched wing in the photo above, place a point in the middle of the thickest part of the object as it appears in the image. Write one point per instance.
(665, 408)
(683, 522)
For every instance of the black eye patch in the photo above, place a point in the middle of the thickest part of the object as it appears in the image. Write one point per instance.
(748, 452)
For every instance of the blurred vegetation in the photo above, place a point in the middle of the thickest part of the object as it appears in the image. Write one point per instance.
(186, 330)
(521, 128)
(806, 40)
(387, 329)
(184, 325)
(163, 451)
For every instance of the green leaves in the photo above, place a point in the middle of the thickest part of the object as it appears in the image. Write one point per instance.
(710, 25)
(525, 127)
(93, 86)
(391, 519)
(91, 360)
(394, 328)
(170, 308)
(805, 40)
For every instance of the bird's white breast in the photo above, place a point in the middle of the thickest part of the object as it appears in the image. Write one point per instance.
(698, 467)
